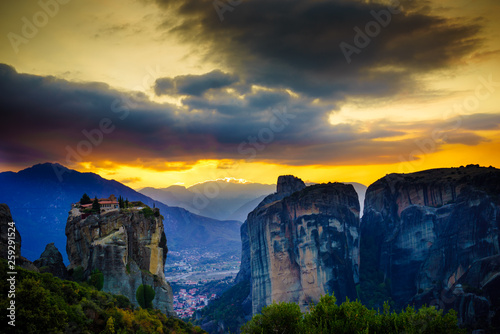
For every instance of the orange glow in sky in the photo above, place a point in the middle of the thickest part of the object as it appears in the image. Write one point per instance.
(190, 102)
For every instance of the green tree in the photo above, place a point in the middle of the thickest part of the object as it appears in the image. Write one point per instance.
(283, 318)
(85, 199)
(147, 212)
(96, 207)
(350, 317)
(47, 304)
(145, 295)
(39, 312)
(121, 204)
(110, 327)
(97, 279)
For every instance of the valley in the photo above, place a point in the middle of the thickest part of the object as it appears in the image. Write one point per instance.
(196, 266)
(436, 228)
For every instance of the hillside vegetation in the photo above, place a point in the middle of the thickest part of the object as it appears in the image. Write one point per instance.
(349, 317)
(47, 304)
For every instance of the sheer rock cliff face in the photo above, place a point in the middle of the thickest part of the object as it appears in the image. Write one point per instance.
(127, 247)
(304, 243)
(427, 228)
(6, 231)
(7, 225)
(245, 273)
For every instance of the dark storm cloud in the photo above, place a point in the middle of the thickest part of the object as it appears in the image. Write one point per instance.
(45, 118)
(480, 121)
(296, 44)
(195, 85)
(264, 100)
(254, 103)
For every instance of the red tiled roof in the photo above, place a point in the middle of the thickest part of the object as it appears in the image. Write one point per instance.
(101, 201)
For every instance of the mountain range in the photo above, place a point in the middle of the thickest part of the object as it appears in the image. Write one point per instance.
(222, 199)
(40, 198)
(219, 199)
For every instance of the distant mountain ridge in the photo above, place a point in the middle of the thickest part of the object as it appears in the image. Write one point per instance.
(221, 199)
(40, 198)
(217, 199)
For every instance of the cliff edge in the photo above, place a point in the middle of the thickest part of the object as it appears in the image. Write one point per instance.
(421, 232)
(304, 243)
(128, 246)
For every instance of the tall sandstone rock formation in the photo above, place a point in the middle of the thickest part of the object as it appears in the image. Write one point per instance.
(423, 231)
(303, 243)
(128, 247)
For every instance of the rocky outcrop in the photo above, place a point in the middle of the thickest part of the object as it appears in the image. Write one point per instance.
(8, 228)
(304, 243)
(51, 261)
(128, 247)
(423, 231)
(288, 184)
(482, 282)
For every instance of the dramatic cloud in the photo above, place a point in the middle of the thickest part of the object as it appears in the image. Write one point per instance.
(297, 44)
(48, 119)
(194, 85)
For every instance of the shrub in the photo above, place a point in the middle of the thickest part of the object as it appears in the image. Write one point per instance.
(276, 318)
(147, 212)
(145, 295)
(350, 317)
(97, 279)
(47, 304)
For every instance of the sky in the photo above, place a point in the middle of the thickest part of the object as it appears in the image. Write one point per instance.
(162, 92)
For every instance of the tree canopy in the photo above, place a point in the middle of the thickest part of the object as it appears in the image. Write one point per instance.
(96, 207)
(85, 199)
(350, 317)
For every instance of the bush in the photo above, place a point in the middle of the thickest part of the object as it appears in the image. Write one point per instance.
(350, 317)
(40, 311)
(147, 212)
(47, 304)
(123, 302)
(145, 295)
(276, 318)
(97, 279)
